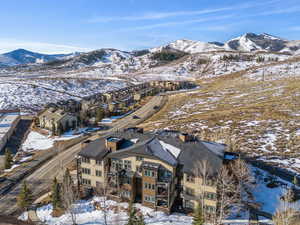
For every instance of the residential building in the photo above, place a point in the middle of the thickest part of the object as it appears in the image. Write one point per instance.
(155, 169)
(55, 119)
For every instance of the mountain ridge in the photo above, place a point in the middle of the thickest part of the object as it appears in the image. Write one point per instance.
(248, 42)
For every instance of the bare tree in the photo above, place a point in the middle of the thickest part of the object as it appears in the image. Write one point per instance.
(287, 211)
(69, 196)
(102, 191)
(228, 195)
(244, 179)
(201, 170)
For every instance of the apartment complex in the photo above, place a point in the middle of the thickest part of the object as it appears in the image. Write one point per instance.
(155, 169)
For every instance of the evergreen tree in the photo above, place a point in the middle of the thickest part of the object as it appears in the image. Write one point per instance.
(56, 200)
(60, 129)
(24, 199)
(141, 220)
(67, 182)
(198, 217)
(8, 159)
(132, 218)
(99, 115)
(53, 130)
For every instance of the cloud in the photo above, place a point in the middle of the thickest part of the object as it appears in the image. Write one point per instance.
(185, 22)
(7, 45)
(155, 15)
(164, 15)
(282, 11)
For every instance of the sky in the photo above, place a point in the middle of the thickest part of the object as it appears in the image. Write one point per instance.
(63, 26)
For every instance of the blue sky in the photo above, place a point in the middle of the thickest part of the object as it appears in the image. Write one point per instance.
(57, 26)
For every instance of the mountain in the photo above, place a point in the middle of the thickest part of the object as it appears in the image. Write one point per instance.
(22, 56)
(190, 46)
(248, 42)
(93, 58)
(253, 42)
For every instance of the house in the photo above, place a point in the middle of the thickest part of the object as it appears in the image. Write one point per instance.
(154, 169)
(55, 119)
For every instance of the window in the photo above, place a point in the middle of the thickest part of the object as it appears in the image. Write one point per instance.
(189, 204)
(148, 198)
(127, 165)
(98, 173)
(85, 160)
(209, 209)
(149, 186)
(139, 158)
(99, 162)
(210, 182)
(126, 194)
(86, 181)
(210, 196)
(149, 173)
(190, 191)
(86, 171)
(190, 178)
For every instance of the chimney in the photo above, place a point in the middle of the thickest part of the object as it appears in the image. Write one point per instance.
(85, 143)
(113, 143)
(184, 137)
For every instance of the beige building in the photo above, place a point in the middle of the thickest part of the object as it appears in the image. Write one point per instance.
(156, 170)
(52, 118)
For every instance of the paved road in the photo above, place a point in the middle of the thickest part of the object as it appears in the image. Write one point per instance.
(40, 180)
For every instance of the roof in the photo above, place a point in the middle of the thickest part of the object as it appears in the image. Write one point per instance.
(95, 149)
(6, 122)
(54, 114)
(164, 146)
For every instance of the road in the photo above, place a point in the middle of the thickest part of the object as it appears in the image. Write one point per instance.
(40, 180)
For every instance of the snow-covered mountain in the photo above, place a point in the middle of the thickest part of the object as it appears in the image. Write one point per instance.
(248, 42)
(253, 42)
(93, 58)
(190, 46)
(22, 56)
(122, 61)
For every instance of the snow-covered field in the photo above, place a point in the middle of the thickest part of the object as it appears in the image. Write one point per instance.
(87, 214)
(33, 94)
(37, 141)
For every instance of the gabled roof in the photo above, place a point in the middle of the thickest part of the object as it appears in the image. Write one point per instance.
(166, 147)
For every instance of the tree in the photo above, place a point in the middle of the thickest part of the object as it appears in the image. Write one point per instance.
(56, 199)
(287, 211)
(102, 191)
(60, 129)
(69, 196)
(99, 115)
(198, 217)
(53, 130)
(24, 199)
(244, 179)
(8, 159)
(228, 195)
(132, 217)
(295, 181)
(141, 220)
(201, 170)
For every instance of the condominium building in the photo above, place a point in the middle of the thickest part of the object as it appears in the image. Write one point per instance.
(158, 170)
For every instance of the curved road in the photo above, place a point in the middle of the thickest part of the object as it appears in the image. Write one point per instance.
(40, 180)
